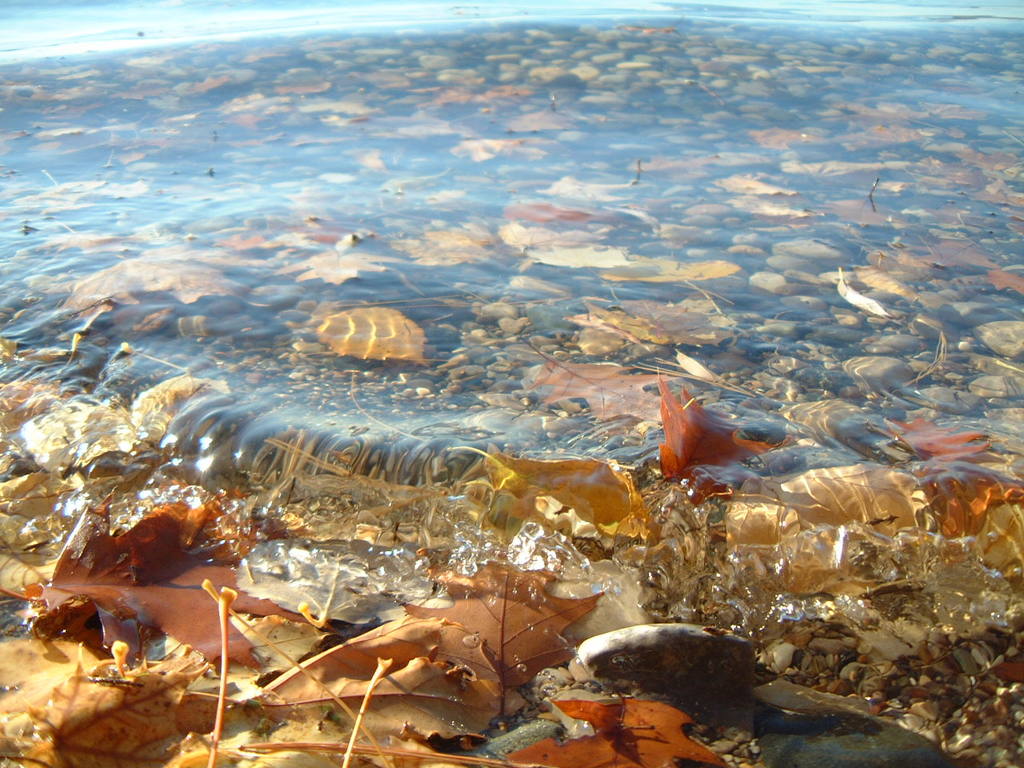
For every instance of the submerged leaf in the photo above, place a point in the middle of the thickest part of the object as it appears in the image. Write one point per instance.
(931, 441)
(598, 492)
(373, 333)
(511, 615)
(609, 389)
(646, 270)
(630, 733)
(696, 436)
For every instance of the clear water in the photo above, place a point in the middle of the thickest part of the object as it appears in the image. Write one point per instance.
(175, 174)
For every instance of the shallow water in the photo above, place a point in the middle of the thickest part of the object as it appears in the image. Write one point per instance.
(531, 193)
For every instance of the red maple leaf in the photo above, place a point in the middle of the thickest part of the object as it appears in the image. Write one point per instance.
(930, 441)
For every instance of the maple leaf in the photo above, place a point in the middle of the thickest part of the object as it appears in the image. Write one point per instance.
(695, 435)
(630, 733)
(517, 621)
(608, 388)
(696, 438)
(930, 441)
(149, 575)
(431, 697)
(598, 492)
(188, 280)
(88, 723)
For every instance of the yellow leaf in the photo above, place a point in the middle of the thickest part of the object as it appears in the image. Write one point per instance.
(598, 492)
(373, 333)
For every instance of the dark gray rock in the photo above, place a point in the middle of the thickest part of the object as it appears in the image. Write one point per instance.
(708, 674)
(797, 727)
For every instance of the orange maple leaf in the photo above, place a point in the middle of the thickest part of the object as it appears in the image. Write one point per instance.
(630, 733)
(930, 441)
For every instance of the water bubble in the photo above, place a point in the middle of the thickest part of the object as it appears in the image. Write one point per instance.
(471, 641)
(521, 668)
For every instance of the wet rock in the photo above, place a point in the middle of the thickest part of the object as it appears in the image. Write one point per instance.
(950, 400)
(801, 728)
(996, 386)
(525, 735)
(770, 282)
(1004, 337)
(705, 673)
(803, 253)
(876, 373)
(894, 344)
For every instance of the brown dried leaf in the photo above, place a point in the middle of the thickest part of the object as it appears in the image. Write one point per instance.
(373, 333)
(428, 696)
(31, 668)
(90, 724)
(608, 388)
(517, 621)
(149, 575)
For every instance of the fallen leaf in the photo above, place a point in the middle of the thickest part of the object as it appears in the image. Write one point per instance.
(436, 247)
(748, 185)
(542, 213)
(931, 441)
(669, 271)
(517, 622)
(656, 323)
(598, 492)
(858, 299)
(429, 696)
(31, 668)
(593, 256)
(573, 188)
(519, 236)
(695, 436)
(1000, 278)
(373, 333)
(961, 493)
(88, 723)
(609, 389)
(186, 280)
(629, 733)
(151, 575)
(336, 266)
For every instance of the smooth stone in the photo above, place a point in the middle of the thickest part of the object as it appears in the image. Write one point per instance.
(894, 343)
(524, 736)
(949, 400)
(805, 303)
(835, 334)
(706, 674)
(876, 373)
(808, 251)
(973, 313)
(996, 386)
(1004, 337)
(770, 282)
(801, 728)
